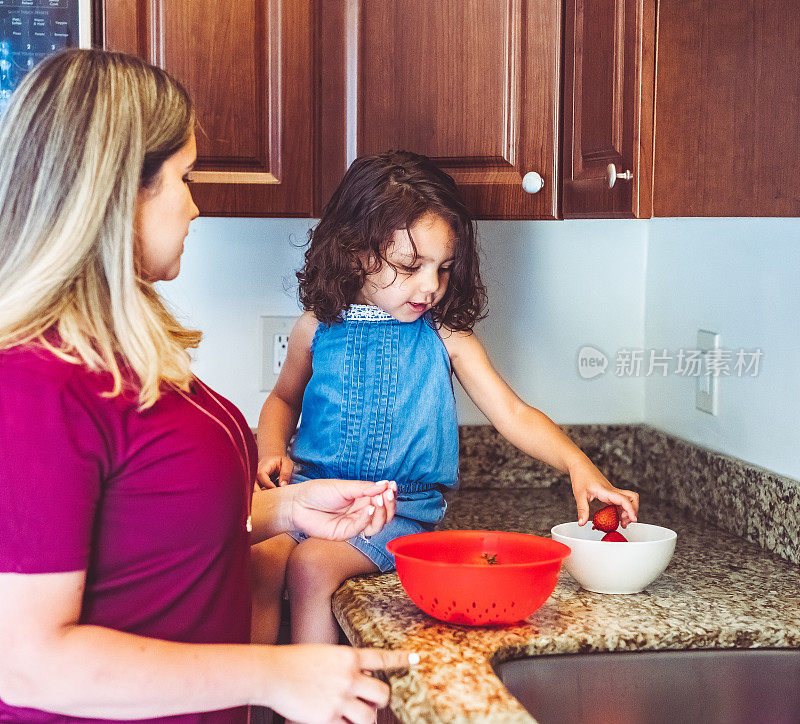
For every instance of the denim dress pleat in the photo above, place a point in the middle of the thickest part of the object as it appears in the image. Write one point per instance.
(380, 406)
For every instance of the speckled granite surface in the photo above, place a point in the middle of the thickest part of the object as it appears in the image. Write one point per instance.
(735, 495)
(487, 460)
(718, 591)
(739, 497)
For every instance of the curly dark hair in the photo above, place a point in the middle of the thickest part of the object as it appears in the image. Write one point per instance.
(379, 195)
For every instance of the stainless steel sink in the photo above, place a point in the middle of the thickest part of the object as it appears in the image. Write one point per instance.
(734, 686)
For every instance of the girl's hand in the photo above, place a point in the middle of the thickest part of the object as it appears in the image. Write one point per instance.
(329, 683)
(588, 484)
(274, 469)
(340, 509)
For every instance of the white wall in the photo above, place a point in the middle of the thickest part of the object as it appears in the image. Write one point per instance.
(232, 272)
(553, 288)
(740, 278)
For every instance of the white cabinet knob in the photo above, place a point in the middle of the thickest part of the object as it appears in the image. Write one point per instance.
(613, 175)
(532, 182)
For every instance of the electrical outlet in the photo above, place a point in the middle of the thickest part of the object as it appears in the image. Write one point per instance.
(280, 343)
(707, 390)
(274, 334)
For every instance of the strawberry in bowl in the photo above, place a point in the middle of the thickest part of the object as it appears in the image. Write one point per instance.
(606, 519)
(604, 568)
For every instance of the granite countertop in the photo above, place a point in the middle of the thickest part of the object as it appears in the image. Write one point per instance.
(719, 591)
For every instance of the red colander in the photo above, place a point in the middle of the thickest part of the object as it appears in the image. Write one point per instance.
(478, 577)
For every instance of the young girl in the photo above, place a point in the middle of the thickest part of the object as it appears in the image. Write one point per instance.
(391, 289)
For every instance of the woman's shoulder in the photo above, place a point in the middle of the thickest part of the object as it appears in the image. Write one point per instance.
(36, 360)
(37, 371)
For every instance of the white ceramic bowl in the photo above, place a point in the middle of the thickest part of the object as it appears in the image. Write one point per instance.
(605, 567)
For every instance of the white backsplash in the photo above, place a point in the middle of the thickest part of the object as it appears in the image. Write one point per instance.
(741, 279)
(555, 287)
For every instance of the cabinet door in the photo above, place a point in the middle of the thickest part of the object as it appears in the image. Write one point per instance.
(728, 108)
(609, 57)
(248, 67)
(474, 84)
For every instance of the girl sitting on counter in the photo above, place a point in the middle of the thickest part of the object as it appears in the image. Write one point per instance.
(392, 290)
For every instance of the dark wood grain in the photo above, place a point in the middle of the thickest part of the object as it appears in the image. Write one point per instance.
(249, 68)
(121, 26)
(473, 84)
(609, 60)
(728, 108)
(330, 88)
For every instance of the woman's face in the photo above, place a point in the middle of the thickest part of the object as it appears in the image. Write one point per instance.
(162, 216)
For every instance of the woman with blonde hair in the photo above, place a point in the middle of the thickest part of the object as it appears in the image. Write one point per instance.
(126, 506)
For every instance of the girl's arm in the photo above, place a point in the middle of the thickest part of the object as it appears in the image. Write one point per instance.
(531, 430)
(281, 411)
(52, 662)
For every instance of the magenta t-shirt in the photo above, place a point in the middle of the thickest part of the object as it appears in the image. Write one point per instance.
(151, 504)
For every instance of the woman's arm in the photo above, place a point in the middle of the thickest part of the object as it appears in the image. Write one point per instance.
(331, 509)
(529, 429)
(281, 411)
(50, 662)
(53, 663)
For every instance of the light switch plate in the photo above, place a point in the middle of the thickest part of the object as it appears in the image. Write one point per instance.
(707, 390)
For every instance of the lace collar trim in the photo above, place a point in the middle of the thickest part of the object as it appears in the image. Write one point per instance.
(366, 313)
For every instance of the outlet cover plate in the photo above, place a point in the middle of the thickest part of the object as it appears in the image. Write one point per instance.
(707, 390)
(272, 331)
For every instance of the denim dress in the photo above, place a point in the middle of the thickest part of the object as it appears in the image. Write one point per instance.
(380, 406)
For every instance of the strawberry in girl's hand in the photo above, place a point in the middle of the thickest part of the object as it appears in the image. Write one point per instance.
(614, 537)
(606, 519)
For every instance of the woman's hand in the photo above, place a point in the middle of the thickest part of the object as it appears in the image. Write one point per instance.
(329, 683)
(588, 484)
(340, 509)
(275, 470)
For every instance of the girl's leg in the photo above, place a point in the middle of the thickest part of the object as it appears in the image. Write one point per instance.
(267, 576)
(316, 568)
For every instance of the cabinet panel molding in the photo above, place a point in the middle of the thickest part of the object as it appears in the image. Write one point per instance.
(609, 58)
(727, 108)
(249, 69)
(475, 85)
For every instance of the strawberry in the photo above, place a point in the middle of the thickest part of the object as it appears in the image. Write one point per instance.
(606, 519)
(614, 537)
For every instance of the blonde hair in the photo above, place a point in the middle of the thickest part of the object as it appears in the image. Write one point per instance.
(84, 132)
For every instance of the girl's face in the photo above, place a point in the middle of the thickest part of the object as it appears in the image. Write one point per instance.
(416, 285)
(162, 216)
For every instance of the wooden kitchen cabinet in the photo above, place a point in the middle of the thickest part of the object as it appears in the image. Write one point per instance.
(728, 108)
(711, 129)
(473, 84)
(289, 92)
(609, 57)
(248, 66)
